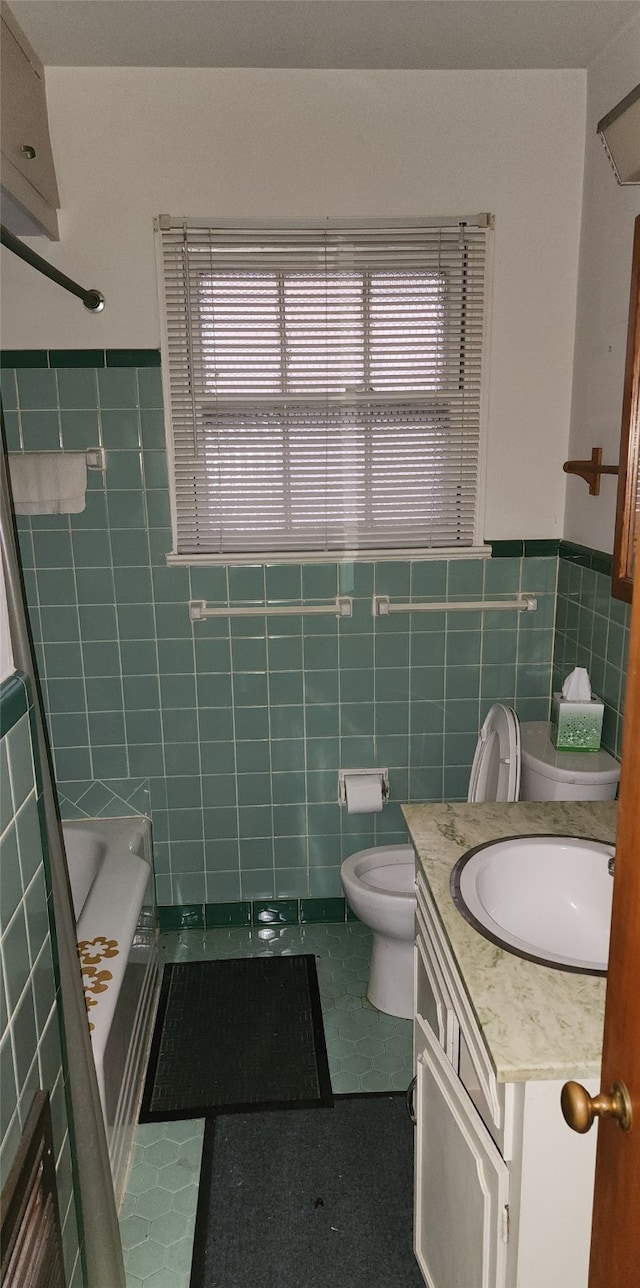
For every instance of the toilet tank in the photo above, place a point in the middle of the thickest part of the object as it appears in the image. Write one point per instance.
(550, 775)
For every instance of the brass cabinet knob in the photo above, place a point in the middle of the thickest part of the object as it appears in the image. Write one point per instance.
(580, 1109)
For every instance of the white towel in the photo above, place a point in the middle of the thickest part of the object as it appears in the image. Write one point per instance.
(48, 482)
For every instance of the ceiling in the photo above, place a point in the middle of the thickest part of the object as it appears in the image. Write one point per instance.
(411, 34)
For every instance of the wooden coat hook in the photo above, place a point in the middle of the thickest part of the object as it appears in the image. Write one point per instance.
(591, 470)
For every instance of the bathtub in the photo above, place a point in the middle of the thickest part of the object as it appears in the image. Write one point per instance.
(110, 864)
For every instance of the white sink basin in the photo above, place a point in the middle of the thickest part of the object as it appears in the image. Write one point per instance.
(546, 898)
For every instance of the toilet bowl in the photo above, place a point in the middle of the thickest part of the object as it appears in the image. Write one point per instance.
(379, 886)
(379, 883)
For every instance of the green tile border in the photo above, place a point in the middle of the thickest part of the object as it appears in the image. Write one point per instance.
(132, 357)
(601, 562)
(14, 701)
(538, 549)
(506, 549)
(275, 912)
(284, 912)
(574, 553)
(24, 358)
(227, 914)
(57, 358)
(76, 358)
(586, 557)
(319, 910)
(184, 916)
(525, 549)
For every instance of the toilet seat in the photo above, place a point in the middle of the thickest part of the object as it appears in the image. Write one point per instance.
(396, 877)
(495, 772)
(387, 869)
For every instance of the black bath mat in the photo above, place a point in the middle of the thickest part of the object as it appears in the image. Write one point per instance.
(306, 1200)
(237, 1035)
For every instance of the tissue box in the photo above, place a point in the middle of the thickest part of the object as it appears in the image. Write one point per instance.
(577, 725)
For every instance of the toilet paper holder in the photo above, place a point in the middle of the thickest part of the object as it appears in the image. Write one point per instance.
(382, 774)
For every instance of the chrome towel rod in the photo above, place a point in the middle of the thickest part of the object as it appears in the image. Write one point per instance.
(342, 606)
(381, 606)
(92, 300)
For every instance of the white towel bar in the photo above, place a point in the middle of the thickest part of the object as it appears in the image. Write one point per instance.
(381, 606)
(341, 607)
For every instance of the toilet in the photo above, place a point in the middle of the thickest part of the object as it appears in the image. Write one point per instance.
(512, 762)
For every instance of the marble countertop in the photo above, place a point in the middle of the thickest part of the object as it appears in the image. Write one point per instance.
(537, 1022)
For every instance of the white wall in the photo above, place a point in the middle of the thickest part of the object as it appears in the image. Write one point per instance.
(130, 143)
(609, 212)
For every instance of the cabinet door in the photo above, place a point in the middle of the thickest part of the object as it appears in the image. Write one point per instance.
(461, 1182)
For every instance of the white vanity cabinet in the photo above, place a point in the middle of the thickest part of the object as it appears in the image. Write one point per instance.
(503, 1188)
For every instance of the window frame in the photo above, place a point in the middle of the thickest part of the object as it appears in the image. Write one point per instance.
(479, 548)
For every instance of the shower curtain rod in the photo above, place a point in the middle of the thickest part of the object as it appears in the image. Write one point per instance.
(92, 300)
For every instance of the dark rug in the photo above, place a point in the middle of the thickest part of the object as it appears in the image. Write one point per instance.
(235, 1036)
(322, 1198)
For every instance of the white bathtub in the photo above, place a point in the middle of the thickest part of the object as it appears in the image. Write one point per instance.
(111, 873)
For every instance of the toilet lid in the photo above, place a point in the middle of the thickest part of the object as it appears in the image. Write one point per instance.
(495, 773)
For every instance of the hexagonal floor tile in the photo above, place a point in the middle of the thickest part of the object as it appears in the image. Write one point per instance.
(370, 1046)
(164, 1279)
(388, 1063)
(153, 1203)
(162, 1152)
(170, 1228)
(342, 1047)
(133, 1230)
(142, 1178)
(179, 1256)
(345, 1083)
(145, 1259)
(348, 1003)
(187, 1200)
(175, 1176)
(192, 1129)
(356, 1064)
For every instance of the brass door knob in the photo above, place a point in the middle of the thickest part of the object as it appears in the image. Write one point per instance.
(580, 1109)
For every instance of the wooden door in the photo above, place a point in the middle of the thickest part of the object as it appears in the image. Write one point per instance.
(615, 1242)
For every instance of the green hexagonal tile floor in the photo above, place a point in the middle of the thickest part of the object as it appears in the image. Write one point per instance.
(367, 1050)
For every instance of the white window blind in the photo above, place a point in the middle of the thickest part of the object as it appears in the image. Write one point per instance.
(325, 385)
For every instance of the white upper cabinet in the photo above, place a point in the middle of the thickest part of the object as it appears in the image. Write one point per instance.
(29, 189)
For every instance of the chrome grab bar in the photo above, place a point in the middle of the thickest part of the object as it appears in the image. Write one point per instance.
(381, 606)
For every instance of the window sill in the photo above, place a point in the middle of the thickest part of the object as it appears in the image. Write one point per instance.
(329, 556)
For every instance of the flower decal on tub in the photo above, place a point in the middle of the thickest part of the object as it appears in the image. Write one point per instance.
(91, 953)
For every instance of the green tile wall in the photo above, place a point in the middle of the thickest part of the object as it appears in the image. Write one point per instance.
(30, 1040)
(592, 630)
(237, 728)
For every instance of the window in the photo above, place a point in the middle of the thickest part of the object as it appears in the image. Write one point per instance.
(324, 386)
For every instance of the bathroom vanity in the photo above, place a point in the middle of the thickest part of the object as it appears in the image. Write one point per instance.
(503, 1188)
